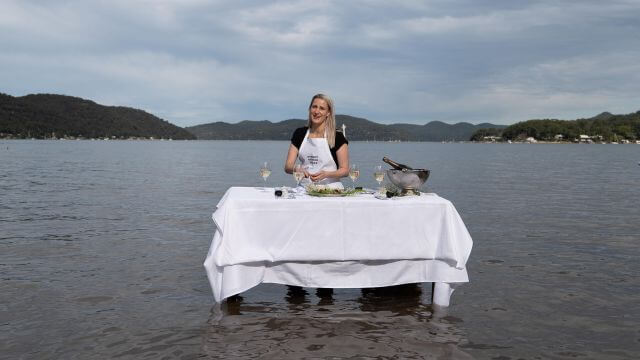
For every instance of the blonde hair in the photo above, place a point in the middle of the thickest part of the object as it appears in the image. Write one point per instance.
(330, 122)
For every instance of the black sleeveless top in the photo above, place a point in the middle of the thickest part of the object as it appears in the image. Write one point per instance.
(298, 138)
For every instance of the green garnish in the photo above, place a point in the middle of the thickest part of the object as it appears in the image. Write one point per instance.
(316, 191)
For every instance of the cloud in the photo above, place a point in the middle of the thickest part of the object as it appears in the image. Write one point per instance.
(199, 61)
(291, 24)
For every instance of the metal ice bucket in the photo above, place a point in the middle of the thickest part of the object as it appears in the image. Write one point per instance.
(409, 181)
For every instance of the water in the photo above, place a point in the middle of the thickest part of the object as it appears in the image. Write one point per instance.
(102, 244)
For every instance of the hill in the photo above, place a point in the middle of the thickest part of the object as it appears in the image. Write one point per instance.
(246, 130)
(56, 116)
(356, 128)
(605, 127)
(46, 115)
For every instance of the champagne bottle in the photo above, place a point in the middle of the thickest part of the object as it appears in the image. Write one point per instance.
(396, 165)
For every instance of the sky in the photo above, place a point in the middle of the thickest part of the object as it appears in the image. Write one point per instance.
(192, 62)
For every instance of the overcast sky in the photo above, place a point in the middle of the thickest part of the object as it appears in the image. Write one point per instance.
(198, 61)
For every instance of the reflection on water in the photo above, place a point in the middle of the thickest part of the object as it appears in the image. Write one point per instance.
(390, 322)
(403, 299)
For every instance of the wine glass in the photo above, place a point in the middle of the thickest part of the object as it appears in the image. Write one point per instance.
(354, 173)
(378, 174)
(298, 173)
(307, 170)
(265, 171)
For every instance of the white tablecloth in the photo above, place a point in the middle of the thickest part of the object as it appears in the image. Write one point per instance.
(356, 241)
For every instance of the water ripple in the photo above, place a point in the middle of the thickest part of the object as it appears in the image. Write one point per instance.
(102, 244)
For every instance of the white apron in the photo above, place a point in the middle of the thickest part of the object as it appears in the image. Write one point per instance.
(314, 154)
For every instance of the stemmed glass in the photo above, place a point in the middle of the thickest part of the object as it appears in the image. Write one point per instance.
(354, 173)
(378, 174)
(265, 171)
(298, 173)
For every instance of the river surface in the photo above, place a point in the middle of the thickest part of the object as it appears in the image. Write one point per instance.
(102, 245)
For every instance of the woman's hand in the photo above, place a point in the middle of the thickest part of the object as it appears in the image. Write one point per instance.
(320, 175)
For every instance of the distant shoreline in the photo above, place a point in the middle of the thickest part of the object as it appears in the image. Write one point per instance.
(637, 142)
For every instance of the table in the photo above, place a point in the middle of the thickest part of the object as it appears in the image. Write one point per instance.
(336, 242)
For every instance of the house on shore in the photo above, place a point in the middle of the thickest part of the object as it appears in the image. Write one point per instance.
(584, 139)
(490, 138)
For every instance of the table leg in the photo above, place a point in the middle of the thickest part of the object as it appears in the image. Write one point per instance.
(441, 293)
(217, 313)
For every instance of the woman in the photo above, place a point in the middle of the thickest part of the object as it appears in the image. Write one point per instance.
(323, 152)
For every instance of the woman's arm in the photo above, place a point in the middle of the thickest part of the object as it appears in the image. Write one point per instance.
(291, 159)
(343, 160)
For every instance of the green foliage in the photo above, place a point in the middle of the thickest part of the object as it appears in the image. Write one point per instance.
(610, 127)
(45, 116)
(485, 132)
(357, 129)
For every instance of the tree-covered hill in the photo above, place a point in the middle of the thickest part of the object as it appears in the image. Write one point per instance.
(47, 115)
(356, 129)
(57, 116)
(605, 125)
(246, 130)
(439, 131)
